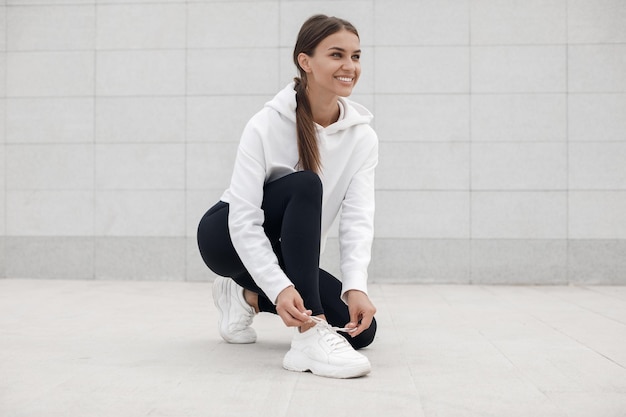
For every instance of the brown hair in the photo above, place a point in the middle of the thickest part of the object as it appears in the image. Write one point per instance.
(312, 32)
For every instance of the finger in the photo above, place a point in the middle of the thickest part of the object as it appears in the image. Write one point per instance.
(299, 316)
(355, 315)
(354, 325)
(287, 319)
(291, 316)
(364, 324)
(302, 312)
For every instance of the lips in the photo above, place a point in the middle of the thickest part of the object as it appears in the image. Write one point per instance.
(345, 79)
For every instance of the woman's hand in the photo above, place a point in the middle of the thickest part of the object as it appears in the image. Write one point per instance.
(361, 312)
(290, 308)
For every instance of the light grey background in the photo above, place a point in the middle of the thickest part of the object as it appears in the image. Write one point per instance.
(502, 126)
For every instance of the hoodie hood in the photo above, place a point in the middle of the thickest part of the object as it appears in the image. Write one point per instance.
(353, 113)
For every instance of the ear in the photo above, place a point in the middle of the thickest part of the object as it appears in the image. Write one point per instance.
(303, 61)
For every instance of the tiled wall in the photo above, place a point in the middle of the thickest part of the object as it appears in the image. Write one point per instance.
(502, 127)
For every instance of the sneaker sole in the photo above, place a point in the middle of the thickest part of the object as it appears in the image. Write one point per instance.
(296, 361)
(218, 290)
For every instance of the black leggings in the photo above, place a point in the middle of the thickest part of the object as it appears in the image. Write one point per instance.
(292, 206)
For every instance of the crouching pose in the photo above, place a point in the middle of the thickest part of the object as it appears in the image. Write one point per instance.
(307, 156)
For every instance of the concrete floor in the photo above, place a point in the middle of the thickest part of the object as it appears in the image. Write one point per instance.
(94, 348)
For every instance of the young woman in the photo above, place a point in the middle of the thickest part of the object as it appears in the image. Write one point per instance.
(307, 155)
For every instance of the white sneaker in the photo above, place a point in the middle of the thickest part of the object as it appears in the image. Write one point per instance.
(324, 352)
(236, 314)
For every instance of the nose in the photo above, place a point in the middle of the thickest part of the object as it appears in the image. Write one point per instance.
(349, 64)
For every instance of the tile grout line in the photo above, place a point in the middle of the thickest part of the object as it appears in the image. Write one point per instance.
(186, 254)
(567, 152)
(94, 141)
(5, 221)
(470, 266)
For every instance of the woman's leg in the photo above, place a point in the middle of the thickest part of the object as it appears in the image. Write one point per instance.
(337, 313)
(293, 213)
(293, 210)
(220, 256)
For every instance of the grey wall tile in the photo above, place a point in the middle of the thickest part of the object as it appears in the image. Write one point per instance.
(428, 22)
(519, 22)
(3, 269)
(422, 214)
(519, 215)
(50, 120)
(519, 69)
(51, 27)
(50, 167)
(432, 261)
(3, 74)
(219, 24)
(519, 261)
(3, 112)
(140, 73)
(49, 213)
(220, 118)
(597, 261)
(519, 117)
(519, 166)
(3, 27)
(226, 71)
(50, 74)
(130, 213)
(140, 119)
(597, 215)
(423, 166)
(3, 120)
(422, 117)
(597, 166)
(140, 166)
(596, 117)
(210, 165)
(422, 69)
(56, 257)
(596, 21)
(2, 193)
(140, 258)
(597, 68)
(141, 26)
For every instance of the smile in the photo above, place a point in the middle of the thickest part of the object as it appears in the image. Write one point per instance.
(345, 79)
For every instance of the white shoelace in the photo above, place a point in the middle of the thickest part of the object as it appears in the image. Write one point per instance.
(317, 320)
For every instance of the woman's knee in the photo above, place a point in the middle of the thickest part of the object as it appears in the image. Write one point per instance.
(214, 244)
(307, 182)
(364, 339)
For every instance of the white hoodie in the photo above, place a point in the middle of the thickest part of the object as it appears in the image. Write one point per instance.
(268, 151)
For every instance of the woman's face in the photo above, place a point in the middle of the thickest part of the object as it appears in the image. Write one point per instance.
(335, 66)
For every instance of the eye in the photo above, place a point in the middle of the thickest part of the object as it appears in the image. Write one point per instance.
(336, 55)
(356, 57)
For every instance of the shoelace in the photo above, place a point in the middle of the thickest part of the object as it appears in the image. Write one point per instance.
(329, 334)
(317, 320)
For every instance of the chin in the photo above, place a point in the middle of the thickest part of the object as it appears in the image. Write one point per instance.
(345, 92)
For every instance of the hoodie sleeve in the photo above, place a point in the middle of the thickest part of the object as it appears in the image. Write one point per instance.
(245, 220)
(356, 226)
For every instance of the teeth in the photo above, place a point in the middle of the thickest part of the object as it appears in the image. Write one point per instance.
(346, 79)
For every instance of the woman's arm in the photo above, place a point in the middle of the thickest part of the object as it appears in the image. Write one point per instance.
(245, 220)
(356, 227)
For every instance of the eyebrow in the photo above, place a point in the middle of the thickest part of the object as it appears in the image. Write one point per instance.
(341, 49)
